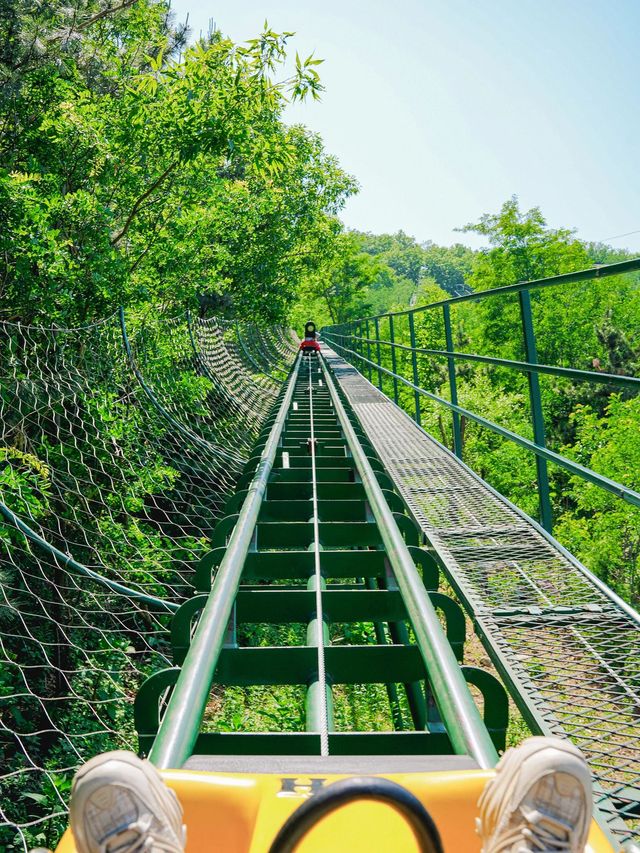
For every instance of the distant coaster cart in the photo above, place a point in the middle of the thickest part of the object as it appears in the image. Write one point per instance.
(310, 342)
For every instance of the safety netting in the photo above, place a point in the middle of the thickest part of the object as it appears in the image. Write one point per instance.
(119, 443)
(569, 648)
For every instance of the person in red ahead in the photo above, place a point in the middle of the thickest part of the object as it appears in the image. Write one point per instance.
(310, 342)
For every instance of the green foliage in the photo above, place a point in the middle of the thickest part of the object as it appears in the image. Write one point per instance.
(370, 274)
(343, 281)
(24, 482)
(589, 325)
(133, 169)
(600, 528)
(522, 248)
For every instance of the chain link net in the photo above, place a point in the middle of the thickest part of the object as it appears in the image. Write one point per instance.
(570, 648)
(118, 445)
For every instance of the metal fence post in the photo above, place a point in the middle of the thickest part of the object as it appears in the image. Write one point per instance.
(394, 365)
(414, 364)
(366, 331)
(453, 388)
(531, 355)
(376, 326)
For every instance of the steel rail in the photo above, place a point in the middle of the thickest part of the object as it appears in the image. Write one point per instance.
(523, 366)
(464, 725)
(180, 724)
(597, 271)
(319, 700)
(628, 495)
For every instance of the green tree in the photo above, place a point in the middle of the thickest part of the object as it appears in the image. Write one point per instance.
(342, 283)
(132, 172)
(597, 526)
(522, 247)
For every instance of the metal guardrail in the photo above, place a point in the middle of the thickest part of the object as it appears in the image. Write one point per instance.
(351, 339)
(181, 722)
(315, 459)
(468, 734)
(563, 642)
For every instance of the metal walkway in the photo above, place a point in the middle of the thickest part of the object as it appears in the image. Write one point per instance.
(567, 647)
(315, 536)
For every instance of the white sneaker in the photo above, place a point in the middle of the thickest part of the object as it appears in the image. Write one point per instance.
(119, 804)
(539, 800)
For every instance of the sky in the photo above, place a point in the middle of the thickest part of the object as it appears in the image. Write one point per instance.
(443, 109)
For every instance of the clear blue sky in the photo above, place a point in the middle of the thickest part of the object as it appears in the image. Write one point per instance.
(442, 109)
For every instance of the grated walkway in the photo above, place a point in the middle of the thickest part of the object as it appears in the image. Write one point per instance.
(568, 648)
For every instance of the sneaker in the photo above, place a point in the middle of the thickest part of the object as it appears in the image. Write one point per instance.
(539, 800)
(119, 804)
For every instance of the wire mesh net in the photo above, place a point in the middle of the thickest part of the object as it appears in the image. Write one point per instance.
(569, 646)
(118, 445)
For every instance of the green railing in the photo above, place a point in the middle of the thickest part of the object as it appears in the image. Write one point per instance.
(185, 709)
(361, 342)
(464, 725)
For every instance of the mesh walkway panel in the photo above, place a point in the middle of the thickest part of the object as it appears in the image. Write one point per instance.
(570, 651)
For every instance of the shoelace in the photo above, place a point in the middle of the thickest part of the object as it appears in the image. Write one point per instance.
(541, 832)
(136, 838)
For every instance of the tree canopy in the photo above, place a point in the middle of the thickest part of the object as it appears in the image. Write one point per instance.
(134, 168)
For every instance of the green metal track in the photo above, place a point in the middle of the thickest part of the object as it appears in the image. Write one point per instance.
(315, 534)
(564, 644)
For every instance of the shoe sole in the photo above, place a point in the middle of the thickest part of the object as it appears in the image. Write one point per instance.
(88, 776)
(150, 773)
(515, 758)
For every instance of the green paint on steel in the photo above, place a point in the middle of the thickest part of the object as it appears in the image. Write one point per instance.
(181, 722)
(414, 367)
(319, 698)
(465, 727)
(628, 495)
(598, 377)
(376, 326)
(394, 365)
(453, 388)
(337, 335)
(598, 271)
(537, 417)
(312, 508)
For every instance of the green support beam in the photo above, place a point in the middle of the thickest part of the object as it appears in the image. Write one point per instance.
(185, 710)
(465, 727)
(316, 536)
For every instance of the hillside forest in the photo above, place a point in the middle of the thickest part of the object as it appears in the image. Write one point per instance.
(144, 170)
(138, 170)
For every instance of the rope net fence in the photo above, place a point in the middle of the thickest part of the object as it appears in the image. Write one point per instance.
(118, 445)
